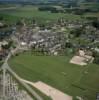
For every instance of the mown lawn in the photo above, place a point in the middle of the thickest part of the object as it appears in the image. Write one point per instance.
(59, 73)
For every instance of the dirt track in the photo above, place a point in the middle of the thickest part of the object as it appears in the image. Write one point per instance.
(9, 8)
(55, 94)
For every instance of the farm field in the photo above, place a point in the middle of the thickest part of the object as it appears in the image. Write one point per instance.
(32, 12)
(58, 72)
(90, 5)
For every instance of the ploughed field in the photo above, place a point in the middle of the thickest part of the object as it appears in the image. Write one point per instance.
(58, 72)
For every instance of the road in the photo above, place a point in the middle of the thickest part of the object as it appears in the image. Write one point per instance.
(8, 8)
(5, 66)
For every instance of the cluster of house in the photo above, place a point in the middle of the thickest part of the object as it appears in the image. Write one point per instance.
(3, 52)
(91, 35)
(69, 23)
(53, 40)
(83, 57)
(46, 41)
(1, 24)
(49, 40)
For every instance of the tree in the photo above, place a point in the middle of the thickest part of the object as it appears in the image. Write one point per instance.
(96, 57)
(19, 23)
(91, 0)
(7, 46)
(1, 18)
(76, 32)
(95, 24)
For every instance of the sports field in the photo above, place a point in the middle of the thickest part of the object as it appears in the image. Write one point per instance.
(58, 72)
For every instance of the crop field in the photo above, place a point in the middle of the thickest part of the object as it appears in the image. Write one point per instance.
(58, 72)
(32, 12)
(90, 5)
(7, 5)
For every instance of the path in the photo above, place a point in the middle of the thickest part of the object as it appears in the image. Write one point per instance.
(55, 94)
(9, 8)
(5, 67)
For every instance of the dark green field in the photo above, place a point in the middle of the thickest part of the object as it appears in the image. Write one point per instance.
(50, 69)
(91, 5)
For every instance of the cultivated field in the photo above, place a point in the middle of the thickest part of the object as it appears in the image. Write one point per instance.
(32, 12)
(58, 72)
(89, 5)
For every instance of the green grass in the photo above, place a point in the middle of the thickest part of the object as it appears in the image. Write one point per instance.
(49, 69)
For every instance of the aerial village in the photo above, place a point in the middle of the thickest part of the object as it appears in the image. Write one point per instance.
(79, 38)
(49, 49)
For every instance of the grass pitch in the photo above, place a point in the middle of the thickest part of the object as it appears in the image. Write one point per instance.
(58, 72)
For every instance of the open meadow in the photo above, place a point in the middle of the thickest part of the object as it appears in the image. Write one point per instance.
(58, 72)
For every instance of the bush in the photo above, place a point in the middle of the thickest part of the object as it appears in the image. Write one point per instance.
(96, 57)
